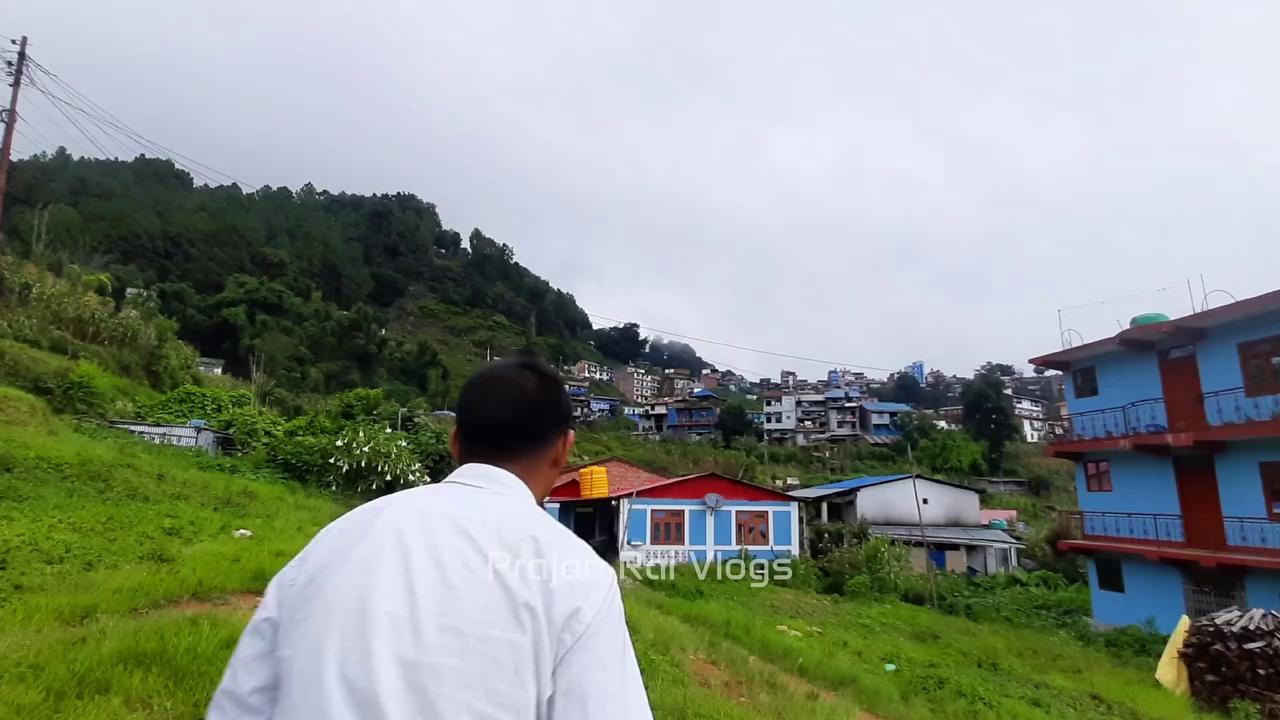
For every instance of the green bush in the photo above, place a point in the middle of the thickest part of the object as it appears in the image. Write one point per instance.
(71, 386)
(877, 566)
(431, 445)
(85, 390)
(826, 538)
(191, 402)
(65, 316)
(368, 458)
(251, 429)
(302, 450)
(1141, 642)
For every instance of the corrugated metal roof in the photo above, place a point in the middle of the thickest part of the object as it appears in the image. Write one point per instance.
(886, 407)
(881, 439)
(844, 485)
(947, 535)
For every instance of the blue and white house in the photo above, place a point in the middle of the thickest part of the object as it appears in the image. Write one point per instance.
(650, 519)
(1174, 426)
(880, 420)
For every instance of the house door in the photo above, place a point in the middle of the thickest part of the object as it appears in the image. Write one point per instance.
(938, 557)
(1198, 498)
(1180, 379)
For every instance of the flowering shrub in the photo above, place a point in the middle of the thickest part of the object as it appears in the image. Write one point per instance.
(368, 458)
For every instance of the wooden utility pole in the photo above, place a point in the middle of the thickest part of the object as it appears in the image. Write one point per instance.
(10, 121)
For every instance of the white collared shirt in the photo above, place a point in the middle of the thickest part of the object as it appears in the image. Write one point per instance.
(458, 600)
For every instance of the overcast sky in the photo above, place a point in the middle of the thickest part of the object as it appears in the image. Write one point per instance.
(871, 183)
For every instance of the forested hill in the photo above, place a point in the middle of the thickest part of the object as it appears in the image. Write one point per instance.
(329, 290)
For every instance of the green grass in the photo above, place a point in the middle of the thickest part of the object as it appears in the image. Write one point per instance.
(107, 540)
(947, 667)
(35, 370)
(102, 534)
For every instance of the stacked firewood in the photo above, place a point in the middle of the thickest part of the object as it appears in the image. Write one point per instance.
(1235, 654)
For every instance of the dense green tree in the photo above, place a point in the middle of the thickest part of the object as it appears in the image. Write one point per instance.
(322, 288)
(734, 422)
(904, 389)
(989, 416)
(674, 354)
(953, 454)
(622, 344)
(1001, 370)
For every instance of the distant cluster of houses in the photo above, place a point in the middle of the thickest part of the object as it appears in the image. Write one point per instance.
(648, 518)
(675, 403)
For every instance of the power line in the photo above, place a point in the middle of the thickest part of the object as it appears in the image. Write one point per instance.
(748, 349)
(35, 129)
(37, 86)
(120, 126)
(113, 131)
(26, 137)
(47, 117)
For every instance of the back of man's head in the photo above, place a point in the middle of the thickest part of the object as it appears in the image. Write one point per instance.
(511, 412)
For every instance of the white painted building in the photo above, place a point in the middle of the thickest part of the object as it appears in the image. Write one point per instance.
(593, 371)
(939, 518)
(780, 417)
(1030, 413)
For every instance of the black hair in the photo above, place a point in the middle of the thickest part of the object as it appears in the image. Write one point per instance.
(510, 410)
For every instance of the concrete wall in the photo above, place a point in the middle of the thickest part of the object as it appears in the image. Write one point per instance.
(1239, 476)
(1219, 359)
(1124, 376)
(1140, 483)
(894, 503)
(1262, 589)
(1151, 590)
(712, 531)
(1240, 490)
(1219, 356)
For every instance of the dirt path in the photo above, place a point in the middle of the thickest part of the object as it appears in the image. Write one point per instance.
(238, 602)
(715, 678)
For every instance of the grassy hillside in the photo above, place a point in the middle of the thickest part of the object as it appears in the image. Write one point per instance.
(715, 650)
(106, 543)
(122, 592)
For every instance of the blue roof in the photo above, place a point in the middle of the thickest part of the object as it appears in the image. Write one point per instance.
(886, 407)
(840, 486)
(860, 482)
(702, 393)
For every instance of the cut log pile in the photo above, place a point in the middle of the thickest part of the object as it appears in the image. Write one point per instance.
(1235, 654)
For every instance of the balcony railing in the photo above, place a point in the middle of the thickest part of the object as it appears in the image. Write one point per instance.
(690, 420)
(1136, 418)
(1238, 534)
(1233, 407)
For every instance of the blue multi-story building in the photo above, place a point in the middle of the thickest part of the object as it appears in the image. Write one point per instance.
(1174, 427)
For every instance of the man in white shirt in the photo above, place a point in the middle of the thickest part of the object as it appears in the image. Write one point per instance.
(458, 600)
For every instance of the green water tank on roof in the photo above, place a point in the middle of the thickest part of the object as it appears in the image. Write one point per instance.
(1148, 319)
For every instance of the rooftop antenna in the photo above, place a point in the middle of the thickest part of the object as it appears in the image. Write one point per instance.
(1207, 293)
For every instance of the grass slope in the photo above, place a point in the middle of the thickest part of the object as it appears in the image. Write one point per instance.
(947, 667)
(107, 540)
(102, 535)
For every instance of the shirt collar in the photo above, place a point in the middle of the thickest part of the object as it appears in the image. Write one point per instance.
(490, 477)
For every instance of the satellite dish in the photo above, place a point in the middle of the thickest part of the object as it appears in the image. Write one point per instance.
(715, 501)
